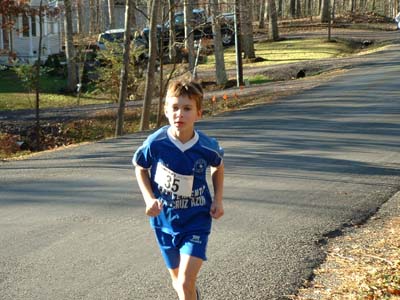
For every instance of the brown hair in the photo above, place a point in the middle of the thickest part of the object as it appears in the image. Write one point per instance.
(186, 88)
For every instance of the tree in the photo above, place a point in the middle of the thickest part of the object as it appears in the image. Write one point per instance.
(171, 20)
(292, 8)
(261, 17)
(92, 22)
(220, 71)
(246, 23)
(79, 10)
(125, 68)
(325, 11)
(148, 94)
(280, 8)
(189, 39)
(69, 48)
(37, 77)
(272, 21)
(238, 44)
(111, 17)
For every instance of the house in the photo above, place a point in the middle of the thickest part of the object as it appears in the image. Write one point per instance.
(20, 41)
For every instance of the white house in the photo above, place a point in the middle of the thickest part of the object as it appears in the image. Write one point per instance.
(22, 40)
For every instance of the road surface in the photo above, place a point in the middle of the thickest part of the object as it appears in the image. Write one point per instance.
(72, 222)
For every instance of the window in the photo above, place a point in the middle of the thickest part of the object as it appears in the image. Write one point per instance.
(33, 25)
(25, 25)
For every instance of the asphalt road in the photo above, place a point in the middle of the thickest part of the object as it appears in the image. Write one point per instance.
(72, 223)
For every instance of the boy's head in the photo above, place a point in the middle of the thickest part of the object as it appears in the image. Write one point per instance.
(186, 88)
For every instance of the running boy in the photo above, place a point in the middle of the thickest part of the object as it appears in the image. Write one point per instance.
(171, 172)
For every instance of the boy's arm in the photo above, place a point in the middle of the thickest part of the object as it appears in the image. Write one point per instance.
(217, 175)
(153, 206)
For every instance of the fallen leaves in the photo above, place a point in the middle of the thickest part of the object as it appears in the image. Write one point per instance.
(363, 266)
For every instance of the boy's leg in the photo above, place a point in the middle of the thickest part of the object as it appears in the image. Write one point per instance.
(174, 276)
(184, 277)
(184, 255)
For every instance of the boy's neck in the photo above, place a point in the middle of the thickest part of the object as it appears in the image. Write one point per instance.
(183, 136)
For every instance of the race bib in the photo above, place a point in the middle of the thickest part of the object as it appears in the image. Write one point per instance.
(175, 183)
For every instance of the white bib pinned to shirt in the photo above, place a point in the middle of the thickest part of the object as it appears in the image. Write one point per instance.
(173, 182)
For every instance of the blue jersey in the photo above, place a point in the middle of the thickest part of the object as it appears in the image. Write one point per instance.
(178, 179)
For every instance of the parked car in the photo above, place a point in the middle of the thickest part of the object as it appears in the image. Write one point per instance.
(114, 35)
(227, 21)
(202, 27)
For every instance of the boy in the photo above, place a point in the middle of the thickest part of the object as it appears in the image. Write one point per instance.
(171, 172)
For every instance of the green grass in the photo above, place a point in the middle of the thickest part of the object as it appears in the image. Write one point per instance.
(13, 94)
(287, 52)
(10, 83)
(258, 79)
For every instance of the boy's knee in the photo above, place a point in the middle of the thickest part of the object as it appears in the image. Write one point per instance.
(184, 285)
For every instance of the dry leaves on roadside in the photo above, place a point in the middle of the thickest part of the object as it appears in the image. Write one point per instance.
(363, 265)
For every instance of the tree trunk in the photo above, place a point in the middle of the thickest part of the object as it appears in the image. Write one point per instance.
(325, 11)
(189, 39)
(352, 6)
(69, 48)
(79, 13)
(292, 8)
(123, 86)
(280, 8)
(246, 29)
(148, 95)
(261, 18)
(298, 9)
(98, 16)
(133, 21)
(272, 21)
(37, 79)
(220, 71)
(92, 17)
(172, 46)
(238, 44)
(111, 17)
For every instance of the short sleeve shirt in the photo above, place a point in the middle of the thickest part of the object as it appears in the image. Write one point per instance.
(178, 178)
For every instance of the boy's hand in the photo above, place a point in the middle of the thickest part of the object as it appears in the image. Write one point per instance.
(217, 210)
(153, 208)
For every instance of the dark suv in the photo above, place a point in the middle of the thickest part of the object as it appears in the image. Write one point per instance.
(202, 27)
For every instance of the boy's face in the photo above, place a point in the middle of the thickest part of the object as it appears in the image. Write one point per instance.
(182, 113)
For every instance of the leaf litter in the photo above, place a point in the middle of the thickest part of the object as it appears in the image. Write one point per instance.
(364, 264)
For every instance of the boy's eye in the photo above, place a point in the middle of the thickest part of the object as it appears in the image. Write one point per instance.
(187, 108)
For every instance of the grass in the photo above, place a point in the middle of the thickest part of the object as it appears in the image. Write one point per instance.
(288, 51)
(258, 79)
(13, 94)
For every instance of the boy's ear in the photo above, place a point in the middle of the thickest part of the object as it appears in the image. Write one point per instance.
(199, 113)
(165, 111)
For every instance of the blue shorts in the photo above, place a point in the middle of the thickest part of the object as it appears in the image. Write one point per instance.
(172, 246)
